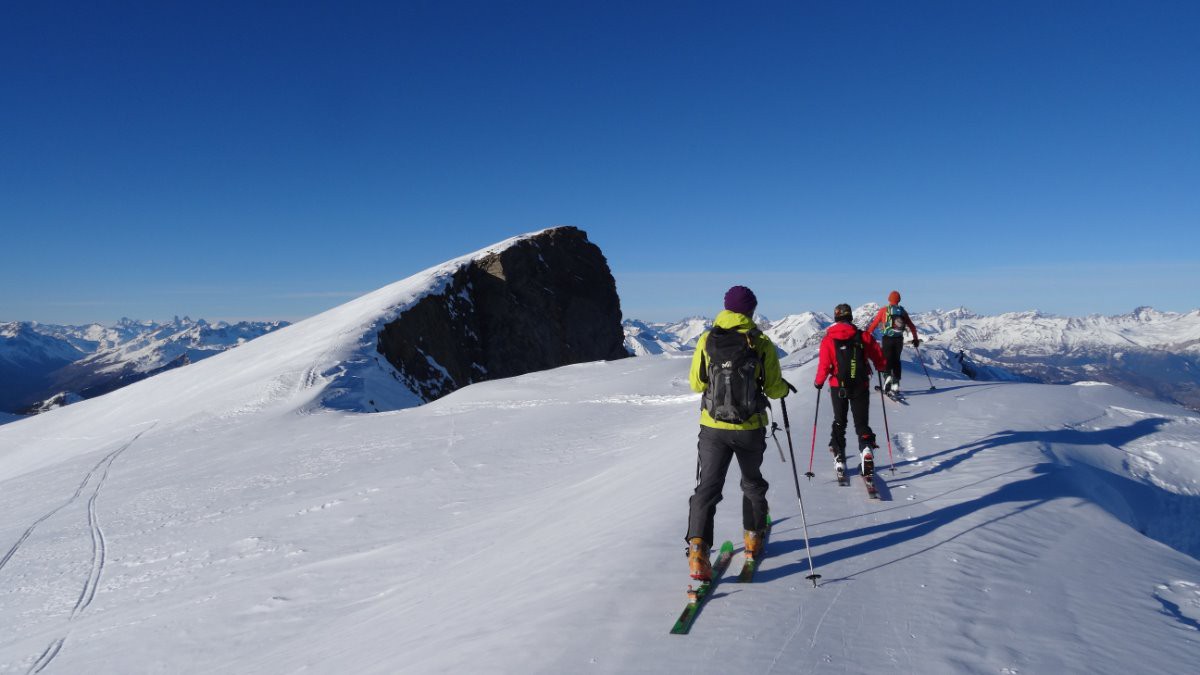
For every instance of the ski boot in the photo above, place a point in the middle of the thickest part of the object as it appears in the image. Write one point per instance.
(895, 386)
(754, 543)
(839, 465)
(698, 564)
(868, 462)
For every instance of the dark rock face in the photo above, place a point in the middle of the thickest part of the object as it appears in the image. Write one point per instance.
(545, 302)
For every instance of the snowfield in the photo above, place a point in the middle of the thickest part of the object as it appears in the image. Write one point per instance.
(223, 517)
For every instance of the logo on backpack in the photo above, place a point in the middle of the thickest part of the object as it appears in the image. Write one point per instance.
(852, 370)
(734, 376)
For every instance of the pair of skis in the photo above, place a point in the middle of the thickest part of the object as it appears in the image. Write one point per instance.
(697, 596)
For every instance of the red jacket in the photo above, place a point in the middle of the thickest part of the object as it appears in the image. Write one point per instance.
(881, 315)
(827, 363)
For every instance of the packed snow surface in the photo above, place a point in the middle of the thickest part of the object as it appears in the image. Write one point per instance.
(217, 518)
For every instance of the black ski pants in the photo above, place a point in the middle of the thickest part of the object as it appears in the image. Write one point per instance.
(892, 345)
(858, 402)
(717, 449)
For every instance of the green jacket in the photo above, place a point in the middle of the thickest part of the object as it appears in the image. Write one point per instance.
(773, 384)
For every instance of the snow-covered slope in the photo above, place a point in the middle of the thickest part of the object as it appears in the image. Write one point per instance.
(216, 518)
(535, 525)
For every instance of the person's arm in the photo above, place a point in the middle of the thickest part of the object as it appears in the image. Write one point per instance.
(699, 368)
(876, 321)
(773, 384)
(824, 359)
(912, 327)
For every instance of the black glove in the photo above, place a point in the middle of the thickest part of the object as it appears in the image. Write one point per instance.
(818, 385)
(916, 342)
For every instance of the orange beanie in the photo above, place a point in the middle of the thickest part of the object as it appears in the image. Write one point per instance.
(894, 298)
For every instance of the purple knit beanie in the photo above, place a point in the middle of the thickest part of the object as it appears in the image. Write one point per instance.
(741, 300)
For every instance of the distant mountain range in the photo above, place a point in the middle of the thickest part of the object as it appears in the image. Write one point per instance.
(44, 366)
(1147, 351)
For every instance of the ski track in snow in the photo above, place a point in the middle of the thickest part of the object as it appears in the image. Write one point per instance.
(47, 656)
(96, 569)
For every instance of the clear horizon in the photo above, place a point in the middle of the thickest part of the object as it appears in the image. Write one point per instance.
(236, 161)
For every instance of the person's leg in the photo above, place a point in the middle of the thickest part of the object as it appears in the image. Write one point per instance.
(860, 406)
(749, 449)
(893, 347)
(837, 435)
(715, 455)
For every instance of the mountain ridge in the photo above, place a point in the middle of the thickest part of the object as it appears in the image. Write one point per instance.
(1149, 351)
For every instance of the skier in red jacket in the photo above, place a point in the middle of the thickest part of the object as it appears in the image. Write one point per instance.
(893, 319)
(844, 353)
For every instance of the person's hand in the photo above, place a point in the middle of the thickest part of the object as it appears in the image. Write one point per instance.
(818, 385)
(916, 342)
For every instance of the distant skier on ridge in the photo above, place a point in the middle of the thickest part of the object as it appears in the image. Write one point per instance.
(843, 361)
(894, 319)
(736, 367)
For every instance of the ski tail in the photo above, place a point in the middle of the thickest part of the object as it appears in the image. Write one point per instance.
(697, 596)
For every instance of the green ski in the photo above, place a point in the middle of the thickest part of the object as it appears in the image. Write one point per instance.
(697, 596)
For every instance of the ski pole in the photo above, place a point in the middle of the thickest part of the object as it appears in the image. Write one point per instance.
(922, 362)
(812, 452)
(887, 431)
(812, 573)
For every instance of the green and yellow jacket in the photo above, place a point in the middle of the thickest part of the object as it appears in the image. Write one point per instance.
(773, 384)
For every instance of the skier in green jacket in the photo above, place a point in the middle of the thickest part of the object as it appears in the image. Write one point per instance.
(736, 367)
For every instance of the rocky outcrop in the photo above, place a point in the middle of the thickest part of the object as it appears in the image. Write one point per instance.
(548, 300)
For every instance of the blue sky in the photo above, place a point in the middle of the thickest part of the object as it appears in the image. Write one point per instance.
(270, 160)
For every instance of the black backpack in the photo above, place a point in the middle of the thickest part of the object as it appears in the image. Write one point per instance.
(734, 376)
(852, 369)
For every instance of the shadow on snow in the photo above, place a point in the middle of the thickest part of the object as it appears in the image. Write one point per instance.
(1170, 518)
